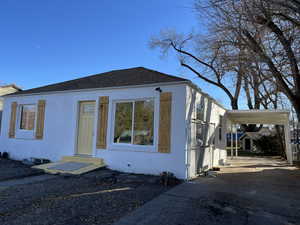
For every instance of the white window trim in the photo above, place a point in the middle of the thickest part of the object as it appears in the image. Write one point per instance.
(21, 133)
(134, 147)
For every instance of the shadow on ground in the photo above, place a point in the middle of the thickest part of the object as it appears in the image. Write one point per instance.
(10, 169)
(98, 197)
(256, 194)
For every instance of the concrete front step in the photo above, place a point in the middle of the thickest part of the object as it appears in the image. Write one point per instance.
(72, 165)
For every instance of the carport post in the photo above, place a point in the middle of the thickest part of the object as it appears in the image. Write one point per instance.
(231, 141)
(236, 141)
(288, 149)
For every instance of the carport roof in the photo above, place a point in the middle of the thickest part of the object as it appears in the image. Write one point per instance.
(279, 117)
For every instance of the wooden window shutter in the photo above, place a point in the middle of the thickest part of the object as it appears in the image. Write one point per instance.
(40, 119)
(12, 122)
(164, 140)
(102, 122)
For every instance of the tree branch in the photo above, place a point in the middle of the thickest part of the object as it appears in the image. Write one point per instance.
(220, 85)
(278, 76)
(286, 45)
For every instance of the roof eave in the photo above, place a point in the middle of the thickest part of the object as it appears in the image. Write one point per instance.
(192, 85)
(99, 89)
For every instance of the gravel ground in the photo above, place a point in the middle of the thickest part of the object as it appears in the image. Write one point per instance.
(99, 197)
(10, 169)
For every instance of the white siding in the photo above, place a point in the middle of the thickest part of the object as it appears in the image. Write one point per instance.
(60, 131)
(211, 115)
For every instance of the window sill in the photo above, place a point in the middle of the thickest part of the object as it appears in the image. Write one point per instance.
(25, 138)
(132, 148)
(30, 135)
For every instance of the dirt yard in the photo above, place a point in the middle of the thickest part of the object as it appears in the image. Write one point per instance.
(251, 191)
(99, 197)
(10, 169)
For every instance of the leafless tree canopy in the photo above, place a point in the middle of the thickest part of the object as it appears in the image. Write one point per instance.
(251, 46)
(269, 31)
(212, 61)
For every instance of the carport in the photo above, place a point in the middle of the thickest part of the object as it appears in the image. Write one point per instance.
(274, 117)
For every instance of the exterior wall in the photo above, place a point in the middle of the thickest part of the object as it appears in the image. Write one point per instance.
(216, 153)
(60, 132)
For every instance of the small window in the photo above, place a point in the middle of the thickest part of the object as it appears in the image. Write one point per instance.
(220, 127)
(27, 117)
(200, 108)
(134, 122)
(200, 133)
(88, 108)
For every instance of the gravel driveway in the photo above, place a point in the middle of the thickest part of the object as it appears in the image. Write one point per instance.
(99, 197)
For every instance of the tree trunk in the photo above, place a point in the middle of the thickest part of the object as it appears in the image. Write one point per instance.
(234, 104)
(296, 104)
(280, 135)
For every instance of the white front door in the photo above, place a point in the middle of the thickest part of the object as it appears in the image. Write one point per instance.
(86, 120)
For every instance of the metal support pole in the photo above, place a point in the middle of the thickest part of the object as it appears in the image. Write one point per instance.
(297, 143)
(231, 142)
(288, 148)
(236, 141)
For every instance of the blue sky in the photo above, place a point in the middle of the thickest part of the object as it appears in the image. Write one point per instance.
(48, 41)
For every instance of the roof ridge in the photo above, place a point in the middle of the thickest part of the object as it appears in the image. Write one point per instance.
(113, 78)
(162, 73)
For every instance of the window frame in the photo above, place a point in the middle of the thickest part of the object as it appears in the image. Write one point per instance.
(200, 104)
(22, 133)
(220, 130)
(134, 147)
(132, 123)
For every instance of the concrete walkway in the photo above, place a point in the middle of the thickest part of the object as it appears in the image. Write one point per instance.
(268, 194)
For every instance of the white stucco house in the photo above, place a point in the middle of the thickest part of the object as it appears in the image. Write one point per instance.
(137, 120)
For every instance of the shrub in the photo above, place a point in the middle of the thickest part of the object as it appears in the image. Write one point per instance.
(5, 155)
(269, 145)
(168, 179)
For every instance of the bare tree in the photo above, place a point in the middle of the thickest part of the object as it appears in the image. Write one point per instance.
(268, 29)
(213, 60)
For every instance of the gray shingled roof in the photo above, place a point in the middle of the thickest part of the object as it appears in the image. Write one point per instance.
(115, 78)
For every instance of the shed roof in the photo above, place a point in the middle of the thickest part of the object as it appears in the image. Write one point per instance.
(11, 85)
(114, 78)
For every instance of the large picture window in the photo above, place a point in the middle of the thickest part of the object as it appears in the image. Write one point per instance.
(27, 117)
(134, 122)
